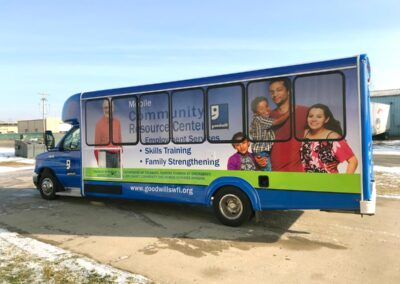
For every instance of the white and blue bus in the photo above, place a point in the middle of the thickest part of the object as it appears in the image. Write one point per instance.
(293, 137)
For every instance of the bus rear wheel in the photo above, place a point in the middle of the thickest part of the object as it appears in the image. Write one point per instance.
(48, 185)
(232, 207)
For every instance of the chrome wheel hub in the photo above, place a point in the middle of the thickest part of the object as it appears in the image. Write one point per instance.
(47, 186)
(231, 206)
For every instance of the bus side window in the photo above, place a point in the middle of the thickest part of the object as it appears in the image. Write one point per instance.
(72, 142)
(124, 114)
(263, 123)
(188, 116)
(97, 114)
(154, 118)
(225, 112)
(323, 96)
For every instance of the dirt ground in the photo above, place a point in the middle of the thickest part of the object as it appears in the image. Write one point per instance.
(387, 184)
(171, 243)
(7, 143)
(13, 164)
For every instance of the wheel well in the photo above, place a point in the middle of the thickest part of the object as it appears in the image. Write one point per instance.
(236, 207)
(228, 186)
(232, 187)
(50, 171)
(237, 183)
(45, 170)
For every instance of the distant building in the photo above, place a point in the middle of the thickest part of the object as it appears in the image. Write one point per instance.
(391, 97)
(8, 127)
(37, 125)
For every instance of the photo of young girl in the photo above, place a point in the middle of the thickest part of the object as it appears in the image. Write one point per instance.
(321, 150)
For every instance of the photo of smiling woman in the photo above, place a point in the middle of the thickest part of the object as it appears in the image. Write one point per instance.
(318, 152)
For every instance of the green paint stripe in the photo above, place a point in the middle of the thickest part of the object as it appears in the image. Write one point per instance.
(341, 183)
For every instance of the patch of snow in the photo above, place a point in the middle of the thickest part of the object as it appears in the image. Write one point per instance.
(7, 152)
(393, 170)
(32, 246)
(8, 155)
(385, 152)
(390, 147)
(389, 196)
(64, 258)
(12, 169)
(17, 159)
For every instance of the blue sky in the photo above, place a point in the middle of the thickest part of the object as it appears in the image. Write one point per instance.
(65, 47)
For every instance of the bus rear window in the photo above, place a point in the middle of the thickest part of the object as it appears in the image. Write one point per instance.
(324, 97)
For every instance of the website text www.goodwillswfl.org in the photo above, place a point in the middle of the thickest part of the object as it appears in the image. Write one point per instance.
(163, 189)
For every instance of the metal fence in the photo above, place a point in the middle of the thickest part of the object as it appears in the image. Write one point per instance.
(27, 145)
(21, 136)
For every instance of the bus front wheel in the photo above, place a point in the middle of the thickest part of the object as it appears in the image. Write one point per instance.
(232, 207)
(48, 185)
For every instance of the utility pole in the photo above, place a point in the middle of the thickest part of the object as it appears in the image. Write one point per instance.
(44, 108)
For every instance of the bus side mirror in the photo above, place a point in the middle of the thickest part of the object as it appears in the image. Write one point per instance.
(49, 140)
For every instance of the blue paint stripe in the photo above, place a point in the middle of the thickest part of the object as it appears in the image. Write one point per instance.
(366, 142)
(268, 199)
(281, 199)
(179, 193)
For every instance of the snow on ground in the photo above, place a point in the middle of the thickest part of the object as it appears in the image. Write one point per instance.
(10, 163)
(8, 155)
(387, 178)
(390, 196)
(18, 160)
(392, 170)
(12, 169)
(7, 169)
(32, 261)
(6, 152)
(389, 147)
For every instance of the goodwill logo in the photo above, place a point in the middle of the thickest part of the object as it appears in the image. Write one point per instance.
(219, 116)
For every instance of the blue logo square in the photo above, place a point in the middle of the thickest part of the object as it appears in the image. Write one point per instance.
(219, 116)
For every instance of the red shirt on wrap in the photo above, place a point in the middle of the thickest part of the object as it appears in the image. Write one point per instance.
(317, 155)
(285, 156)
(101, 136)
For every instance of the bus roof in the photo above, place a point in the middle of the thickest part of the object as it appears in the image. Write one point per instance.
(71, 110)
(229, 78)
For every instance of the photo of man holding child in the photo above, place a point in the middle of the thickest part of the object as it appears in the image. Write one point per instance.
(292, 127)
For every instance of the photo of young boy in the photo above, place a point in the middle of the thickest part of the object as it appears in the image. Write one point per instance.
(242, 160)
(261, 129)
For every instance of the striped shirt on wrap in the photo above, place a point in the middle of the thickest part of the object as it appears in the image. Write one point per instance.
(261, 130)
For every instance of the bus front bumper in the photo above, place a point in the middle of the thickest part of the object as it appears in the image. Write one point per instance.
(368, 207)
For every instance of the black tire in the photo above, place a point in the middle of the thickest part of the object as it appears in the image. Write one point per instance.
(48, 185)
(232, 207)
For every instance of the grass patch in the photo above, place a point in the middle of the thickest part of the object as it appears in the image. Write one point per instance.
(16, 270)
(17, 266)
